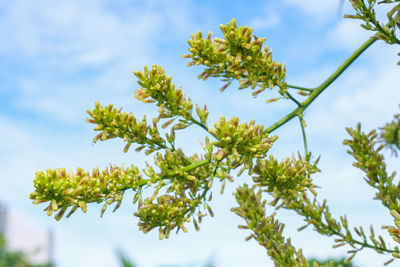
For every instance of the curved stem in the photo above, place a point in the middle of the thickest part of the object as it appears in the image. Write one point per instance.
(318, 90)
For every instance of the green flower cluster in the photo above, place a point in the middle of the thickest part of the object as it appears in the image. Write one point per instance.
(319, 216)
(285, 180)
(390, 134)
(288, 181)
(157, 87)
(66, 189)
(189, 181)
(172, 103)
(366, 12)
(240, 143)
(168, 213)
(186, 180)
(395, 231)
(112, 123)
(266, 230)
(369, 160)
(239, 56)
(175, 166)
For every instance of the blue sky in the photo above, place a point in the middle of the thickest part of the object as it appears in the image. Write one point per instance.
(59, 57)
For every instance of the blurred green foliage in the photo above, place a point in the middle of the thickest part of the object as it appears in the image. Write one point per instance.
(336, 262)
(15, 258)
(126, 262)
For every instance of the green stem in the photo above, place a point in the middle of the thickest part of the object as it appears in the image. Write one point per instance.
(213, 175)
(325, 228)
(304, 134)
(151, 141)
(299, 87)
(202, 126)
(318, 90)
(293, 99)
(364, 244)
(193, 166)
(199, 123)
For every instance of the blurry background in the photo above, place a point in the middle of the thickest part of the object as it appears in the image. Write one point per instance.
(58, 57)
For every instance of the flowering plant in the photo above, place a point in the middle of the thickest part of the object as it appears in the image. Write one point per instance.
(181, 183)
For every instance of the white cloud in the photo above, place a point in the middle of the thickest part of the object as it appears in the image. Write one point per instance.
(317, 9)
(74, 28)
(11, 131)
(80, 52)
(368, 95)
(267, 21)
(376, 97)
(348, 34)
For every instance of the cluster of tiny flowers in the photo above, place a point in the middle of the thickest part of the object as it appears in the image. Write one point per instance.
(112, 123)
(240, 143)
(266, 230)
(239, 56)
(167, 213)
(185, 179)
(157, 87)
(173, 165)
(286, 179)
(394, 231)
(64, 190)
(187, 182)
(366, 12)
(371, 161)
(390, 134)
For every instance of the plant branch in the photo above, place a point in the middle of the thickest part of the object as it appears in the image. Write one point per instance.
(201, 125)
(293, 99)
(299, 88)
(381, 29)
(318, 90)
(304, 134)
(364, 244)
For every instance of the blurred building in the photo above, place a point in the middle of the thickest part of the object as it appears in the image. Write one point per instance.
(23, 235)
(3, 215)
